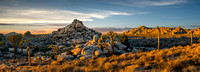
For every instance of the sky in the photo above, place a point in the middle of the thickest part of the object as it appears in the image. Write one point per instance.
(45, 16)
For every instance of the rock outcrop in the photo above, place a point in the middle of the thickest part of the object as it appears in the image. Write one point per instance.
(75, 32)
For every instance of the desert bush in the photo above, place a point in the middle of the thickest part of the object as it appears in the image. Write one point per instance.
(103, 45)
(112, 37)
(55, 51)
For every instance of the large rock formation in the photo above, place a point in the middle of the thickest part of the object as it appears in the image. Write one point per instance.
(75, 32)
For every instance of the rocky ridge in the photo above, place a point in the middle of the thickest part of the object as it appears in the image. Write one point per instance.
(74, 33)
(164, 30)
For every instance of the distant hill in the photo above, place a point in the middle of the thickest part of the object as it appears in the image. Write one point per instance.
(142, 30)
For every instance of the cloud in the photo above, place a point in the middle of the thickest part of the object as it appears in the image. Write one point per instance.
(39, 16)
(144, 3)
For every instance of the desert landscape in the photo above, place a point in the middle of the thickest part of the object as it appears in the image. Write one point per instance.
(78, 48)
(99, 36)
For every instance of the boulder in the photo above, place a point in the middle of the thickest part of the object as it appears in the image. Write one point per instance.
(76, 51)
(45, 58)
(96, 38)
(98, 52)
(134, 50)
(85, 57)
(11, 49)
(120, 46)
(64, 56)
(79, 41)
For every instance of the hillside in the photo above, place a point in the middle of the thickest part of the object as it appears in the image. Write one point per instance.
(186, 59)
(142, 30)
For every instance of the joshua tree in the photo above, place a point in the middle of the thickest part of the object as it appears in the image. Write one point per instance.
(29, 58)
(112, 36)
(55, 50)
(192, 37)
(20, 45)
(15, 40)
(27, 44)
(158, 37)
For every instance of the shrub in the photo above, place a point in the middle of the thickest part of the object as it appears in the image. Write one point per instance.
(112, 37)
(55, 50)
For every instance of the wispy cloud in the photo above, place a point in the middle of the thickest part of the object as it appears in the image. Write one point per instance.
(144, 3)
(24, 16)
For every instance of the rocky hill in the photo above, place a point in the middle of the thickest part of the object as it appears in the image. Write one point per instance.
(75, 31)
(164, 30)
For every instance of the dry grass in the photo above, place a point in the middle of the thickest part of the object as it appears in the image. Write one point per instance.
(179, 58)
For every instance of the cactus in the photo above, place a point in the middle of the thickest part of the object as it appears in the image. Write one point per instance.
(29, 58)
(158, 37)
(55, 50)
(112, 36)
(192, 37)
(15, 40)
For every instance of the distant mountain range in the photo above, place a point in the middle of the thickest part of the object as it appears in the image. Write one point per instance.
(164, 30)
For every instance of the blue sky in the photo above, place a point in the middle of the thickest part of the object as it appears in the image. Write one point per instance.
(44, 16)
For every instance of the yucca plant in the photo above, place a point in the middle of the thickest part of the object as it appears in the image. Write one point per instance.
(15, 40)
(158, 37)
(55, 50)
(29, 56)
(112, 37)
(192, 37)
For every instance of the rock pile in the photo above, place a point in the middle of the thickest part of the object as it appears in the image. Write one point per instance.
(74, 33)
(84, 51)
(27, 34)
